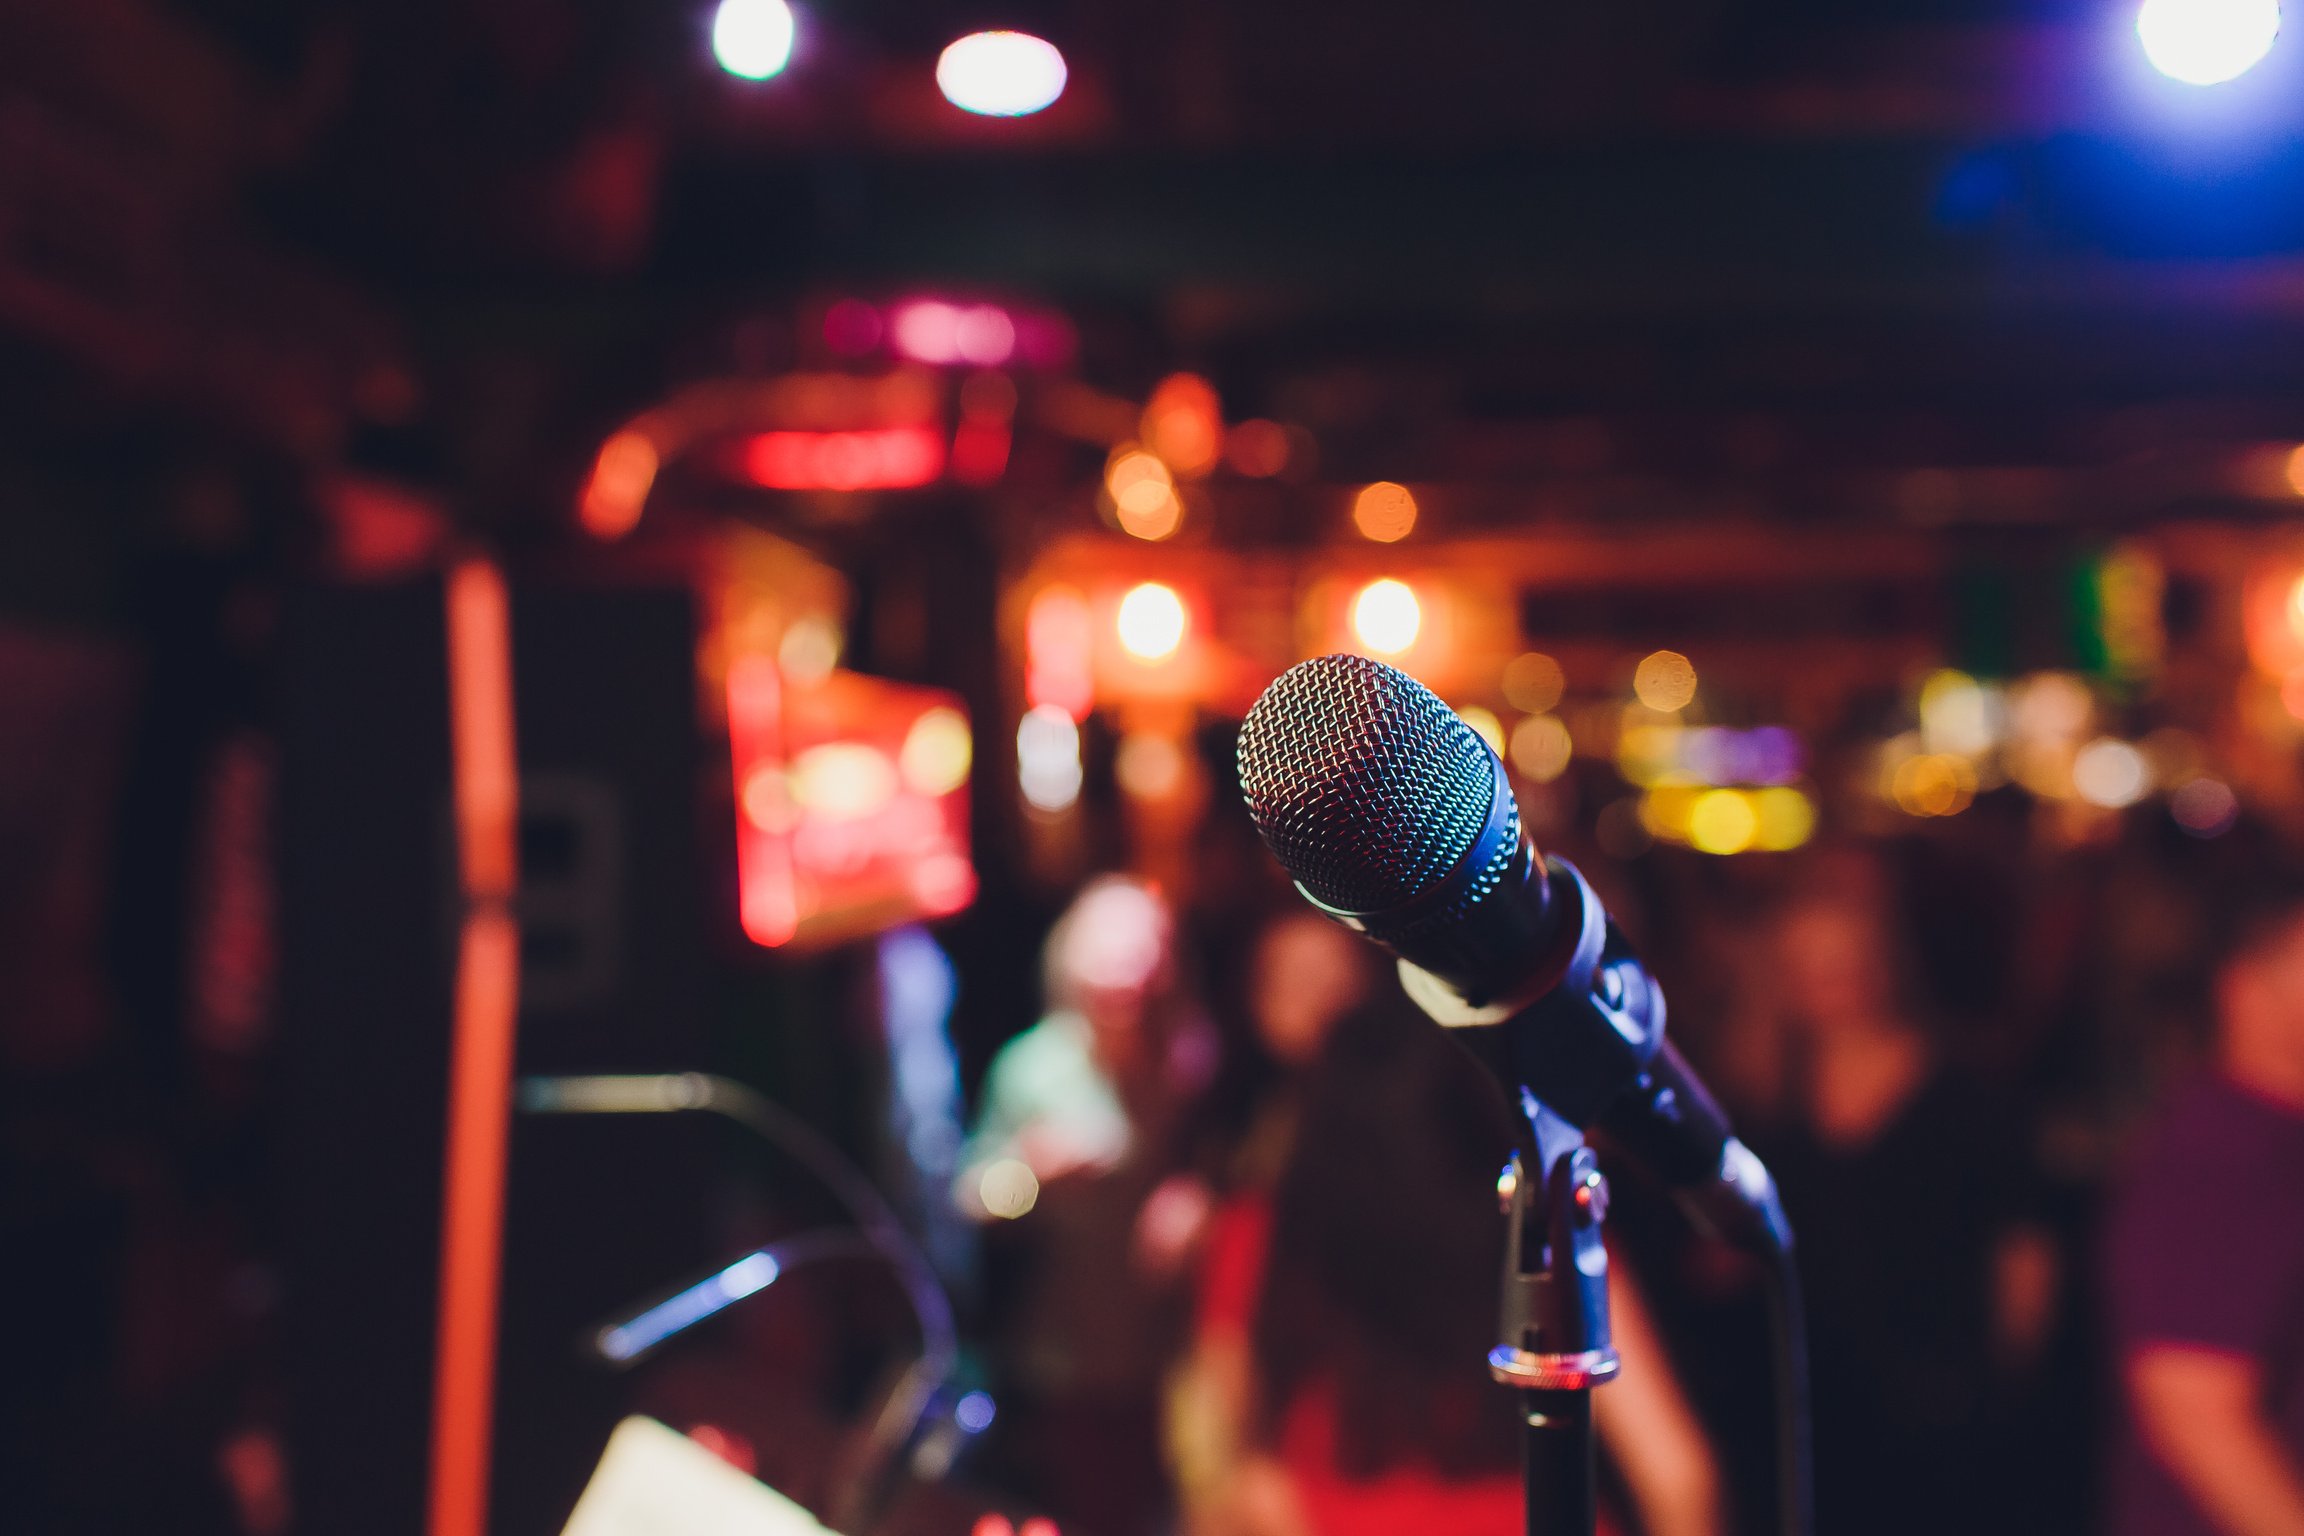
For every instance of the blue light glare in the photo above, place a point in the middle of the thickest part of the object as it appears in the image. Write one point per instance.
(2207, 42)
(752, 1273)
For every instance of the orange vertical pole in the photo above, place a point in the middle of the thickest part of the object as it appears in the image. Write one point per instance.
(487, 1001)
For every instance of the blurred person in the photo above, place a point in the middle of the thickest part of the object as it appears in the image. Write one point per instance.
(1076, 1130)
(2206, 1261)
(1303, 973)
(1365, 1306)
(1931, 1292)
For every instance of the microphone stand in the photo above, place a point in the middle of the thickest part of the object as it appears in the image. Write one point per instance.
(1554, 1343)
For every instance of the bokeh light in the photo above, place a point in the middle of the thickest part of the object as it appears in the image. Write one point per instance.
(936, 753)
(1386, 616)
(1143, 493)
(1048, 758)
(1484, 725)
(1541, 748)
(1534, 682)
(1722, 821)
(2207, 42)
(2205, 807)
(1933, 784)
(1787, 818)
(1001, 74)
(1666, 680)
(1384, 512)
(1957, 714)
(2296, 469)
(1257, 449)
(752, 39)
(1008, 1188)
(2110, 773)
(1149, 765)
(618, 488)
(1184, 424)
(1151, 622)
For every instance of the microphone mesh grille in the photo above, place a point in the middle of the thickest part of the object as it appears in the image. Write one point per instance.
(1366, 787)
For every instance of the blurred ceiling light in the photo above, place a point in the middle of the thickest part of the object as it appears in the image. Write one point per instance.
(1001, 74)
(936, 752)
(1048, 758)
(2110, 773)
(1534, 682)
(2207, 42)
(1184, 424)
(1541, 748)
(1722, 821)
(1151, 622)
(1386, 616)
(1384, 512)
(1484, 725)
(1666, 680)
(1257, 449)
(752, 39)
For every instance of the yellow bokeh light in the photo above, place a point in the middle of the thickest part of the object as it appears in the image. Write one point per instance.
(1787, 818)
(1534, 682)
(1648, 754)
(1955, 714)
(810, 649)
(1665, 681)
(1722, 821)
(1384, 512)
(1485, 725)
(936, 754)
(1386, 616)
(1151, 622)
(1541, 748)
(1666, 810)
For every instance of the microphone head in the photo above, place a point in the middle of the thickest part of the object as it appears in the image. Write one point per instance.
(1367, 789)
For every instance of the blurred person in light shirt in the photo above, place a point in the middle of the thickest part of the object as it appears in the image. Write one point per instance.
(1077, 1130)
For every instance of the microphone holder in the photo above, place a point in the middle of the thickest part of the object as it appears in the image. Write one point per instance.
(1554, 1344)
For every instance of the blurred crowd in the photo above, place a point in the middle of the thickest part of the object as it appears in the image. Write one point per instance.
(1238, 1202)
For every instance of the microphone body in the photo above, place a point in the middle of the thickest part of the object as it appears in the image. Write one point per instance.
(1396, 820)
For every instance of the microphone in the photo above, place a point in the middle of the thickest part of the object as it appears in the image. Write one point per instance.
(1395, 819)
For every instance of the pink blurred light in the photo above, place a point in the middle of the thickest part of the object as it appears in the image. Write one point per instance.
(885, 458)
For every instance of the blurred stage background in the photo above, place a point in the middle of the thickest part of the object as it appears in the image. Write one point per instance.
(1803, 437)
